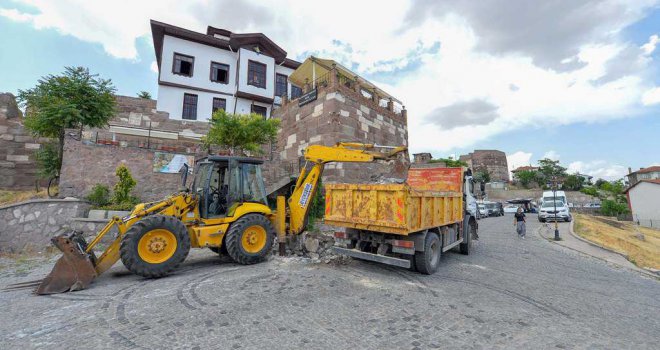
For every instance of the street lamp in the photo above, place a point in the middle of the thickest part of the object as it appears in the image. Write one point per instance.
(555, 184)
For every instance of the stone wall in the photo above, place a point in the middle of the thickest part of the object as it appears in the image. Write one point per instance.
(18, 168)
(340, 114)
(86, 164)
(492, 161)
(30, 225)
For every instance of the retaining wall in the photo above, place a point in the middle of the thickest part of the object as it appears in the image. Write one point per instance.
(30, 225)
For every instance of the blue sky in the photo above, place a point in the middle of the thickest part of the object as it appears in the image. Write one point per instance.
(602, 128)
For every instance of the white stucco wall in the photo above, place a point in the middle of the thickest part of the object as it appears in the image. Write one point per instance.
(246, 55)
(204, 55)
(170, 99)
(244, 106)
(645, 204)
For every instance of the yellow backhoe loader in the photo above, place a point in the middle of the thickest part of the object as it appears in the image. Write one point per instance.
(225, 209)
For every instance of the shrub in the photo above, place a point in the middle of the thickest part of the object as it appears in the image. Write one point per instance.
(48, 160)
(123, 187)
(99, 196)
(612, 208)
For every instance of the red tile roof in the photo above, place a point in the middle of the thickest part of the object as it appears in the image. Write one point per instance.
(650, 169)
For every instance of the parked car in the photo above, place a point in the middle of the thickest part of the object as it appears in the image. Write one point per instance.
(547, 211)
(483, 211)
(550, 196)
(494, 208)
(592, 205)
(511, 209)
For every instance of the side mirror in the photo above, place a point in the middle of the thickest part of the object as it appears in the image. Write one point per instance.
(184, 175)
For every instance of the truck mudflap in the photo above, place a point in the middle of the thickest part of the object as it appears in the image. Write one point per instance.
(388, 260)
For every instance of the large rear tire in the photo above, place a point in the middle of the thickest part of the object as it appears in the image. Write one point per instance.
(470, 229)
(427, 262)
(250, 239)
(155, 246)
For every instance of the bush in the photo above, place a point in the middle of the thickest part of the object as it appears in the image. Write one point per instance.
(612, 208)
(99, 196)
(123, 187)
(48, 160)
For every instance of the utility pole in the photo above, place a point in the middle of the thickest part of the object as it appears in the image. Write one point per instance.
(555, 184)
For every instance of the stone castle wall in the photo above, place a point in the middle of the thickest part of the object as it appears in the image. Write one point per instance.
(492, 161)
(340, 114)
(18, 167)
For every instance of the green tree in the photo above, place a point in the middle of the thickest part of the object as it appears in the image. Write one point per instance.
(599, 183)
(241, 134)
(526, 177)
(573, 182)
(144, 94)
(74, 99)
(48, 160)
(482, 176)
(549, 168)
(591, 191)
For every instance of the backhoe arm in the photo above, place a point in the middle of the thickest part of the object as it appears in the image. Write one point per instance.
(319, 155)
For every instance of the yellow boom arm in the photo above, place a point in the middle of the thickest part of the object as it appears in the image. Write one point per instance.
(307, 183)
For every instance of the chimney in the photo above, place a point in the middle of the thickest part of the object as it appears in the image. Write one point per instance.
(629, 170)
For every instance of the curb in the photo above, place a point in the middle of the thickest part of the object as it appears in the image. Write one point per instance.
(641, 269)
(635, 269)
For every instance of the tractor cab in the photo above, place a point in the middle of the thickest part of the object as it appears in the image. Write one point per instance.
(223, 183)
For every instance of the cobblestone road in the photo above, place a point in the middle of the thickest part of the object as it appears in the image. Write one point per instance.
(510, 293)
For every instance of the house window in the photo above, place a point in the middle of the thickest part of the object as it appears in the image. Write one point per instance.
(280, 85)
(256, 74)
(219, 103)
(219, 73)
(295, 92)
(183, 65)
(260, 110)
(189, 107)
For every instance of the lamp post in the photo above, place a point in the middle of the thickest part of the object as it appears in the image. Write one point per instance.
(555, 184)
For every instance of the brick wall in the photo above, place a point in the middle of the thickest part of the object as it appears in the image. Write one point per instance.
(18, 168)
(340, 114)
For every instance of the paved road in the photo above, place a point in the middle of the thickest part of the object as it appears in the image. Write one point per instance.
(510, 293)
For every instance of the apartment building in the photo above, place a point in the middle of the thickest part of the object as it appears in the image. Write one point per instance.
(199, 73)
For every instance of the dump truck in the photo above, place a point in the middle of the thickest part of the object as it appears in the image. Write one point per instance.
(224, 209)
(409, 224)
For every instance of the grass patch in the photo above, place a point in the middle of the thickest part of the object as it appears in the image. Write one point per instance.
(640, 244)
(11, 197)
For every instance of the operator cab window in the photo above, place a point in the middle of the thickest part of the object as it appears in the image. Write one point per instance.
(218, 190)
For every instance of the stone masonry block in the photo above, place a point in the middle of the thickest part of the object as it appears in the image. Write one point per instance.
(17, 158)
(32, 146)
(6, 137)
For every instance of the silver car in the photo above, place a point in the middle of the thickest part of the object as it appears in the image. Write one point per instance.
(547, 211)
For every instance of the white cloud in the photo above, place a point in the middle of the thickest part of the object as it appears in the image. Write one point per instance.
(598, 169)
(649, 47)
(445, 59)
(518, 159)
(154, 67)
(651, 97)
(15, 15)
(551, 155)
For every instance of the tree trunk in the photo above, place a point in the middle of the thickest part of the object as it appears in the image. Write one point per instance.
(61, 150)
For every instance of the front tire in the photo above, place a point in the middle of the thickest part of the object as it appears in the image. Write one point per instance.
(427, 262)
(250, 239)
(155, 246)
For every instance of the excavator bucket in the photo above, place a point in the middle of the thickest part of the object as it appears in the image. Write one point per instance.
(74, 270)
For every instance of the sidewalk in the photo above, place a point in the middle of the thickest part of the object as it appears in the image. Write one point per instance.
(572, 241)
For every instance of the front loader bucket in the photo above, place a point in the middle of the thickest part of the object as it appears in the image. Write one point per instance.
(74, 270)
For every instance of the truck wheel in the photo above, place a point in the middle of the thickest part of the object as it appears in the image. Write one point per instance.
(427, 262)
(466, 246)
(250, 239)
(155, 246)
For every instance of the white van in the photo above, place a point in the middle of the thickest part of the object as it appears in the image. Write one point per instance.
(550, 196)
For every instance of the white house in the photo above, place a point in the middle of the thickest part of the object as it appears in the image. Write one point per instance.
(199, 73)
(644, 202)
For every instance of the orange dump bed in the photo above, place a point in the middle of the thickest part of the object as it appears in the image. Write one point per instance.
(431, 197)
